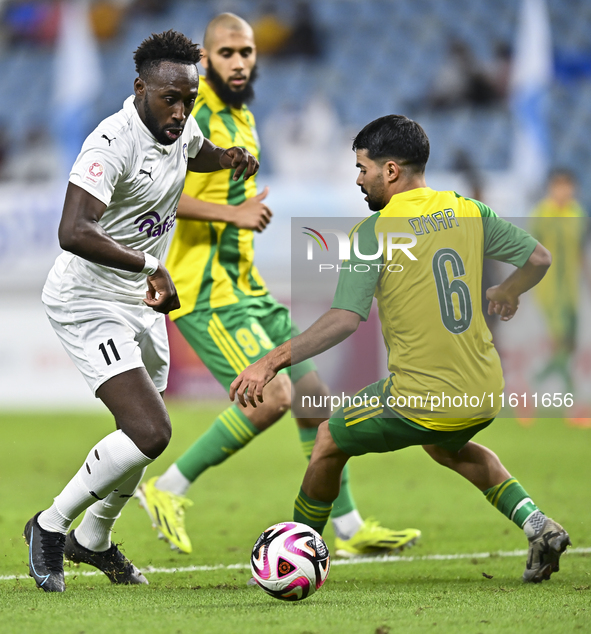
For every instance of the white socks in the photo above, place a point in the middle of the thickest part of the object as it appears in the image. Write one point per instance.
(95, 529)
(173, 481)
(347, 525)
(110, 463)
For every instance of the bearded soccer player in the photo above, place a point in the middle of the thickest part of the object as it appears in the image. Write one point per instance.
(437, 340)
(107, 294)
(227, 314)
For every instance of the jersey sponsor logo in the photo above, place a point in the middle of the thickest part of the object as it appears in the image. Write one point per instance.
(185, 152)
(104, 136)
(95, 173)
(150, 223)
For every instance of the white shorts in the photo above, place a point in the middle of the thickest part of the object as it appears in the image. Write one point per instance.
(105, 338)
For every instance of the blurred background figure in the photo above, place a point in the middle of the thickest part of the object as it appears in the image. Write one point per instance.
(271, 32)
(304, 39)
(500, 71)
(559, 222)
(461, 80)
(32, 22)
(35, 161)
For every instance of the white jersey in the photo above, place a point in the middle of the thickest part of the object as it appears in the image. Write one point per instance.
(141, 181)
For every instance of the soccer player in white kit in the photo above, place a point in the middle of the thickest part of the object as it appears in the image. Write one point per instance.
(107, 295)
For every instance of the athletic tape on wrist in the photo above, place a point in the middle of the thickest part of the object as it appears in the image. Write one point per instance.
(150, 264)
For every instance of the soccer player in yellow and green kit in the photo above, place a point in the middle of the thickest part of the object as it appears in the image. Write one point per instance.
(445, 374)
(227, 314)
(560, 221)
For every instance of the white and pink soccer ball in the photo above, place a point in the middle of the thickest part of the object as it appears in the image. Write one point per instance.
(290, 561)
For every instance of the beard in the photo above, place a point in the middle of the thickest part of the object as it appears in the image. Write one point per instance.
(152, 124)
(374, 205)
(234, 98)
(373, 202)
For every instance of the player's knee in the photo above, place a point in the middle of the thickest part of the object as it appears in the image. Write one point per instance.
(312, 398)
(324, 446)
(278, 396)
(154, 437)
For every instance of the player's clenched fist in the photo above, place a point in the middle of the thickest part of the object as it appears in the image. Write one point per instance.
(241, 160)
(161, 294)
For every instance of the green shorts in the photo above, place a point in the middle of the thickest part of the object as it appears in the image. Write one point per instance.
(378, 429)
(229, 339)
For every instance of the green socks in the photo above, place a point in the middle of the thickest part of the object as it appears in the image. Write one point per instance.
(230, 431)
(344, 503)
(512, 500)
(311, 512)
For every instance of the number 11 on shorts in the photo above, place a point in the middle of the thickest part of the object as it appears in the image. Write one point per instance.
(103, 349)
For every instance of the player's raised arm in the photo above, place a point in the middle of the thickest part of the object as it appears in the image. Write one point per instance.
(212, 158)
(81, 234)
(332, 328)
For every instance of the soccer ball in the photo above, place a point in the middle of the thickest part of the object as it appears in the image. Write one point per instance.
(290, 561)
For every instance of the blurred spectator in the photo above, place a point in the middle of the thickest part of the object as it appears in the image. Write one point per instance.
(270, 31)
(31, 22)
(304, 39)
(106, 19)
(559, 223)
(35, 161)
(306, 143)
(500, 71)
(461, 80)
(464, 164)
(151, 7)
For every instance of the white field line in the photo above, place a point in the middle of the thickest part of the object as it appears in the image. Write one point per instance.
(382, 559)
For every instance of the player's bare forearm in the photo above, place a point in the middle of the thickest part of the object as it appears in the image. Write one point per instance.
(332, 328)
(326, 332)
(212, 158)
(252, 214)
(504, 298)
(194, 209)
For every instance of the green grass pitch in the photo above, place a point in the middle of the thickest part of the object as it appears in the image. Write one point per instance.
(237, 500)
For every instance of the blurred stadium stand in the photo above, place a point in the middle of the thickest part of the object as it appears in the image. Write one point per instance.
(380, 56)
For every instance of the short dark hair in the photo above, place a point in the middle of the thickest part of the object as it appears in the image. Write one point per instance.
(562, 172)
(167, 46)
(395, 137)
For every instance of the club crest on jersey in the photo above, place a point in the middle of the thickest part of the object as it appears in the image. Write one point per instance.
(185, 152)
(150, 223)
(95, 173)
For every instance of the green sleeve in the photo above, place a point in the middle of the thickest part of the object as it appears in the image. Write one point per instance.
(202, 116)
(504, 241)
(358, 277)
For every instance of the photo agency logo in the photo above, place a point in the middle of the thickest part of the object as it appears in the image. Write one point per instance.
(382, 258)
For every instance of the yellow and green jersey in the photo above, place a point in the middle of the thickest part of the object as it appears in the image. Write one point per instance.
(438, 344)
(562, 231)
(212, 263)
